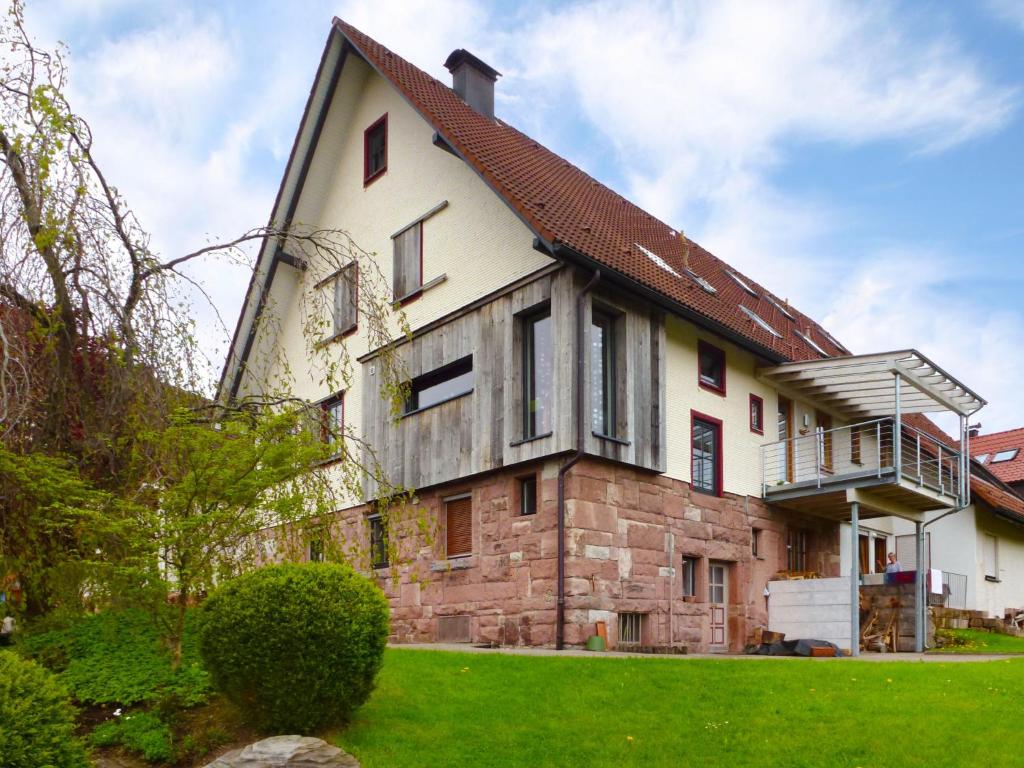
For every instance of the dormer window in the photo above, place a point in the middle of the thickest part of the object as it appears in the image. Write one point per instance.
(375, 150)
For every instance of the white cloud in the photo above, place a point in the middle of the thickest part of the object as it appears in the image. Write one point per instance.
(1008, 10)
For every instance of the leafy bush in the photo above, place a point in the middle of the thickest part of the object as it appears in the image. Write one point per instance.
(37, 723)
(142, 732)
(116, 657)
(296, 647)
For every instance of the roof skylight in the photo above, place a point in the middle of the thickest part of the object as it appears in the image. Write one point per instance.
(1005, 455)
(832, 338)
(760, 321)
(701, 281)
(981, 458)
(778, 306)
(812, 343)
(657, 259)
(741, 283)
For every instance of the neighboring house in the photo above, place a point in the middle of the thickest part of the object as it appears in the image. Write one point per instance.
(607, 422)
(1002, 453)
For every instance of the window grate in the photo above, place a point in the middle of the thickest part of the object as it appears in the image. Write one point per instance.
(630, 629)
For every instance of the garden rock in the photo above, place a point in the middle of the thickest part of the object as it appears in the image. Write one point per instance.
(287, 752)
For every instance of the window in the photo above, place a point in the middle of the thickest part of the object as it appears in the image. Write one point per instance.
(710, 367)
(346, 298)
(741, 283)
(756, 414)
(378, 542)
(855, 434)
(458, 526)
(1009, 455)
(706, 455)
(701, 281)
(408, 262)
(332, 422)
(778, 306)
(990, 557)
(796, 550)
(441, 385)
(630, 629)
(760, 321)
(538, 372)
(316, 551)
(825, 436)
(785, 426)
(689, 576)
(528, 495)
(375, 150)
(981, 458)
(657, 259)
(755, 542)
(602, 373)
(811, 342)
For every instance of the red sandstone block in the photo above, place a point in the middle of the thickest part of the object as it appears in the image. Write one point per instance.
(577, 586)
(652, 502)
(588, 515)
(639, 536)
(624, 493)
(692, 530)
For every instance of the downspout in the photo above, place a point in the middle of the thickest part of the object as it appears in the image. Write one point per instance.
(581, 305)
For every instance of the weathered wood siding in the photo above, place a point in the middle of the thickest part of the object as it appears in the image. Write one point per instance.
(483, 430)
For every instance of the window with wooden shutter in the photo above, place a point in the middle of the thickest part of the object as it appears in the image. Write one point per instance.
(346, 297)
(408, 262)
(458, 527)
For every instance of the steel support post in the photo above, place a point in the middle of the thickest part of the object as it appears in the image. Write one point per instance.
(855, 579)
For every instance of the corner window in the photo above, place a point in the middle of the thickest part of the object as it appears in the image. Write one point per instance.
(528, 495)
(375, 150)
(378, 542)
(408, 262)
(538, 371)
(346, 296)
(438, 386)
(710, 367)
(332, 422)
(706, 455)
(688, 576)
(602, 372)
(458, 526)
(756, 414)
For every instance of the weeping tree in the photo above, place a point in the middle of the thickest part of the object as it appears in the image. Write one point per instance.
(102, 381)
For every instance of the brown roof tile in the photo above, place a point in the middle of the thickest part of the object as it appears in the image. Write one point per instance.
(1011, 471)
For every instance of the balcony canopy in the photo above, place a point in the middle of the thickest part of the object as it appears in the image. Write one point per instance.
(863, 386)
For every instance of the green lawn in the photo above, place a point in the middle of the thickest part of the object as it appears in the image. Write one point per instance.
(980, 641)
(445, 709)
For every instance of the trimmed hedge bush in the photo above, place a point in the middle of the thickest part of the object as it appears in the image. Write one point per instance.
(37, 722)
(296, 647)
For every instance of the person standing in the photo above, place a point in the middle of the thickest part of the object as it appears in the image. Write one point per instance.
(893, 566)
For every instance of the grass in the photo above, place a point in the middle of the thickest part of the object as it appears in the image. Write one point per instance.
(980, 641)
(439, 709)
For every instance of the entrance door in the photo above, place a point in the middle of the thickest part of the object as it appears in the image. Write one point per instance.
(718, 597)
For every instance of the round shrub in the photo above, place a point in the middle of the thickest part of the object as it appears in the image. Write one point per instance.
(296, 647)
(37, 722)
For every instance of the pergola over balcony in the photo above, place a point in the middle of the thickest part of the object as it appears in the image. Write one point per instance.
(877, 465)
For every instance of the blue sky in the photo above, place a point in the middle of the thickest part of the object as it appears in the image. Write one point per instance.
(865, 160)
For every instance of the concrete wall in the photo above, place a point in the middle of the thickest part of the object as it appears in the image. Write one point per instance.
(812, 609)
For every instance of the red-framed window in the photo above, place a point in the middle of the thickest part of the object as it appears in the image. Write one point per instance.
(756, 414)
(710, 367)
(705, 453)
(332, 422)
(375, 150)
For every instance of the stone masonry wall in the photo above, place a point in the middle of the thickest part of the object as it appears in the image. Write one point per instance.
(619, 522)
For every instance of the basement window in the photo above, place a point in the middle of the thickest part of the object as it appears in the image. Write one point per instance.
(1008, 455)
(630, 629)
(760, 321)
(441, 385)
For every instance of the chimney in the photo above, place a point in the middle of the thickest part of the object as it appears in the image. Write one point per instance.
(473, 80)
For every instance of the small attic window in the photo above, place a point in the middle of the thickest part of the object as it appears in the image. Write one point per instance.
(701, 281)
(657, 259)
(812, 343)
(1008, 455)
(760, 321)
(778, 306)
(981, 458)
(741, 283)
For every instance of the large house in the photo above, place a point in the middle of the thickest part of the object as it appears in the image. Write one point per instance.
(606, 422)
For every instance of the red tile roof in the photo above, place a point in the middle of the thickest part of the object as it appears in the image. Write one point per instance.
(1011, 471)
(1000, 499)
(565, 206)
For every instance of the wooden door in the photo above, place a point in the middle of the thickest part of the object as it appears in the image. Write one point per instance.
(718, 598)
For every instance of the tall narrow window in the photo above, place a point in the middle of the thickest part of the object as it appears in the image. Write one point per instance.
(990, 557)
(458, 526)
(528, 495)
(602, 373)
(408, 262)
(855, 456)
(346, 298)
(538, 370)
(796, 550)
(756, 414)
(688, 576)
(332, 422)
(445, 383)
(316, 551)
(375, 150)
(706, 455)
(710, 367)
(378, 542)
(824, 440)
(785, 425)
(755, 542)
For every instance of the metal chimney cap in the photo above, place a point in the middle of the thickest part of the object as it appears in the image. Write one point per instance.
(461, 56)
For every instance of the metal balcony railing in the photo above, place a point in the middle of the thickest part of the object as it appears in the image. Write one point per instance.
(824, 459)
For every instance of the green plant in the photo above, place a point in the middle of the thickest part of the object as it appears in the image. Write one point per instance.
(142, 732)
(296, 647)
(37, 723)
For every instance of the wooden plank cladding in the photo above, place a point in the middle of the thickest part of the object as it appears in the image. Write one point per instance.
(484, 429)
